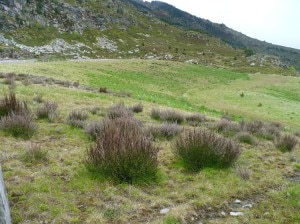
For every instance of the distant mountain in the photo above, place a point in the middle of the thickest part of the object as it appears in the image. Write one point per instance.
(177, 17)
(54, 29)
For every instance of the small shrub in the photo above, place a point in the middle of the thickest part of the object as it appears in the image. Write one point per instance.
(246, 137)
(94, 129)
(201, 148)
(77, 118)
(226, 126)
(271, 131)
(34, 153)
(48, 111)
(103, 90)
(138, 108)
(165, 130)
(119, 110)
(18, 124)
(155, 114)
(286, 143)
(195, 119)
(252, 127)
(10, 104)
(171, 116)
(123, 153)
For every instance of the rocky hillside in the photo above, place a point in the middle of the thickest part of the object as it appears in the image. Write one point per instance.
(174, 16)
(79, 29)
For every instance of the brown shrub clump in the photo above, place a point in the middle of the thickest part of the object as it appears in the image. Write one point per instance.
(123, 153)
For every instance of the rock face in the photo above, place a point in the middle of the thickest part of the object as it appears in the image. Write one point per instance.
(4, 207)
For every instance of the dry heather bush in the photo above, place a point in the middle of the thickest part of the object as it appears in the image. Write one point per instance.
(165, 130)
(138, 108)
(201, 148)
(34, 153)
(48, 111)
(119, 110)
(286, 143)
(94, 129)
(268, 131)
(252, 127)
(18, 124)
(195, 119)
(226, 126)
(77, 118)
(123, 153)
(246, 137)
(170, 116)
(10, 104)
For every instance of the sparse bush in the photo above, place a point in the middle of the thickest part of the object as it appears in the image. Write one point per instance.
(103, 90)
(226, 126)
(286, 143)
(201, 148)
(155, 114)
(48, 111)
(77, 118)
(171, 116)
(94, 129)
(10, 80)
(246, 137)
(138, 108)
(195, 119)
(10, 104)
(18, 124)
(123, 153)
(252, 127)
(119, 110)
(165, 130)
(34, 153)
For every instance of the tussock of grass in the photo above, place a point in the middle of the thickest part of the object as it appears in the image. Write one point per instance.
(34, 153)
(286, 142)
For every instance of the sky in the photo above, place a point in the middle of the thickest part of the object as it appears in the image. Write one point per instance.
(273, 21)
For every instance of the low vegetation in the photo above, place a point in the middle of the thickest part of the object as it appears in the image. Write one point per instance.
(200, 148)
(116, 170)
(123, 153)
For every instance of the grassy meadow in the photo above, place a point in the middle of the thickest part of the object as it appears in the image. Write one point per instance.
(59, 188)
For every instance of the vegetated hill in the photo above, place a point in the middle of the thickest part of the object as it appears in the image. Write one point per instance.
(174, 16)
(116, 29)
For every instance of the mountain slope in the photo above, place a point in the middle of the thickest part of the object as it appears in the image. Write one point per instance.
(116, 29)
(174, 16)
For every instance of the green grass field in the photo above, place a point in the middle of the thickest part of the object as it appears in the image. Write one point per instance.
(61, 190)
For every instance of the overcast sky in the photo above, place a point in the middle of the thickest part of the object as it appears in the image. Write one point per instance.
(274, 21)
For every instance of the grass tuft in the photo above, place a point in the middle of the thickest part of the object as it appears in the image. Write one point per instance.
(34, 153)
(286, 143)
